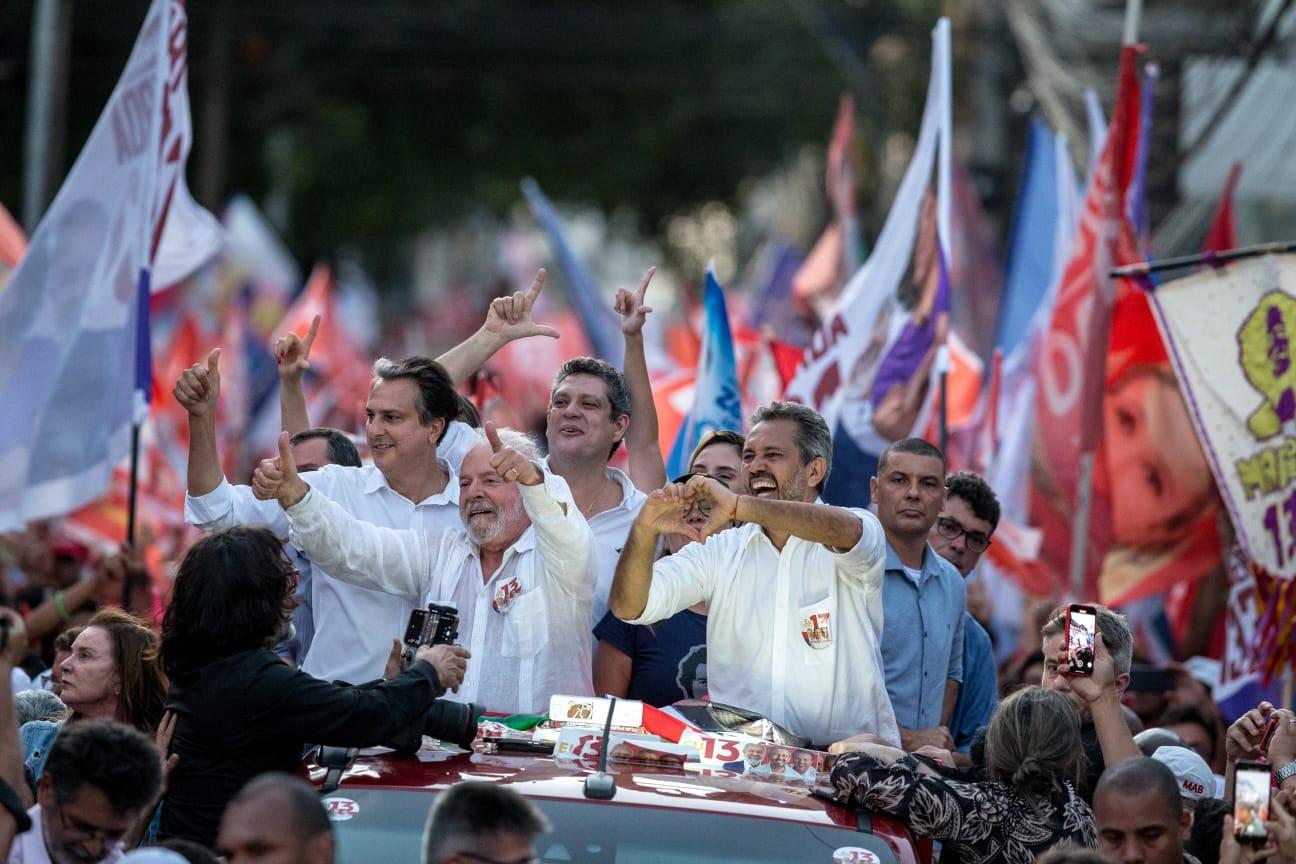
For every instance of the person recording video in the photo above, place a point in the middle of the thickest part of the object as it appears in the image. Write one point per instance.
(241, 711)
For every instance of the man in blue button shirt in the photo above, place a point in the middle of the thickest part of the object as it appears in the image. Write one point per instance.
(923, 596)
(961, 534)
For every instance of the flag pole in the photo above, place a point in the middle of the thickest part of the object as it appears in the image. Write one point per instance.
(943, 363)
(134, 483)
(1084, 486)
(1143, 268)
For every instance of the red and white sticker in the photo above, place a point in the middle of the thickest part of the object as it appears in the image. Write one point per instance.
(855, 855)
(816, 630)
(341, 809)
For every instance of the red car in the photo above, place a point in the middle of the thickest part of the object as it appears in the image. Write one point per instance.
(658, 813)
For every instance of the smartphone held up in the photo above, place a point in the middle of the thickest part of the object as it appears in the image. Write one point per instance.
(1081, 628)
(1251, 802)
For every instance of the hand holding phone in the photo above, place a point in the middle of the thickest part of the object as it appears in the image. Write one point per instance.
(1081, 627)
(1251, 802)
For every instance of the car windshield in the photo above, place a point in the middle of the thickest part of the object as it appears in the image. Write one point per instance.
(387, 825)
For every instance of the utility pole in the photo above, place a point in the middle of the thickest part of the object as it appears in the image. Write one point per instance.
(51, 46)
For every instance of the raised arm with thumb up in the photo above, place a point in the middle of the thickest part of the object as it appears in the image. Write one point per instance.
(277, 478)
(198, 387)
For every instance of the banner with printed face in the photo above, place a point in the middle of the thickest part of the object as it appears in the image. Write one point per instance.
(1230, 335)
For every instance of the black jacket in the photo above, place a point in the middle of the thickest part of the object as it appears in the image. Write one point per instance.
(251, 713)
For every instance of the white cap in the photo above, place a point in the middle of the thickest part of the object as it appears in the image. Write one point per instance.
(1195, 778)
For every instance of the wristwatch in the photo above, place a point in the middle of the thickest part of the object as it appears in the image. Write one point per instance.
(1288, 770)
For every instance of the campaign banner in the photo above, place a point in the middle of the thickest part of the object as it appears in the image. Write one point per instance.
(1229, 332)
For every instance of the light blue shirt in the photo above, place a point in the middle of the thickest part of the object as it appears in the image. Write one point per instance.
(922, 638)
(303, 616)
(978, 696)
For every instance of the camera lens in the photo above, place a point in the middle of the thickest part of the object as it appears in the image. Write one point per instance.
(455, 722)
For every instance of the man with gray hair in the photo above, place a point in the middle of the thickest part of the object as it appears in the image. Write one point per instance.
(794, 594)
(1104, 733)
(520, 571)
(476, 821)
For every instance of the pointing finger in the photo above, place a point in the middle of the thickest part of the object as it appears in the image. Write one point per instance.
(310, 336)
(493, 437)
(534, 291)
(643, 286)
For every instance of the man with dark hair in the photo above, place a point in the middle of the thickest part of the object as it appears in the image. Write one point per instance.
(474, 822)
(276, 819)
(1198, 731)
(319, 446)
(590, 408)
(923, 595)
(1139, 814)
(101, 779)
(417, 447)
(961, 534)
(793, 593)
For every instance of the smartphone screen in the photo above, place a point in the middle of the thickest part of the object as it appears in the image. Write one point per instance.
(1250, 801)
(1082, 622)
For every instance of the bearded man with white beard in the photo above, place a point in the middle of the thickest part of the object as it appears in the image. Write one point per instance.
(521, 572)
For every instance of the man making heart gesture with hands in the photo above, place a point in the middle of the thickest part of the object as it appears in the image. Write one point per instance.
(794, 591)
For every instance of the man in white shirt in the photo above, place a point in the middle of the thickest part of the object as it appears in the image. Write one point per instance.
(521, 575)
(101, 779)
(590, 409)
(795, 595)
(409, 416)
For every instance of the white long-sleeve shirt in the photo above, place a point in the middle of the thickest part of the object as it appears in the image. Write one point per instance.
(354, 627)
(527, 626)
(792, 635)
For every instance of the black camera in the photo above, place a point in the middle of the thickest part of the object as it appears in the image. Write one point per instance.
(435, 625)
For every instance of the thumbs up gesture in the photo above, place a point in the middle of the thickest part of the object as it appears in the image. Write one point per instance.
(509, 463)
(199, 386)
(276, 479)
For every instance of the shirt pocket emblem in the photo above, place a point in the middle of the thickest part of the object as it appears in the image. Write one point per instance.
(816, 629)
(504, 595)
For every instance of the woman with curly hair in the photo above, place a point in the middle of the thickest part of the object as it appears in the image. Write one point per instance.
(239, 710)
(1028, 805)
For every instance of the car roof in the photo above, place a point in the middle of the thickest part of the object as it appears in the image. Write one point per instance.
(436, 768)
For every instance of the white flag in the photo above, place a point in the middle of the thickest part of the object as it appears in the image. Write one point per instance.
(861, 354)
(69, 314)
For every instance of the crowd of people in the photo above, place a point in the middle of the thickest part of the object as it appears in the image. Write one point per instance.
(179, 729)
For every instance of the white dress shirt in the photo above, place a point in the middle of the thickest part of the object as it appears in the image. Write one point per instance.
(354, 627)
(611, 528)
(527, 626)
(767, 647)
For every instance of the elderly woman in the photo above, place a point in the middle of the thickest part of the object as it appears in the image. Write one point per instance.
(1028, 805)
(113, 672)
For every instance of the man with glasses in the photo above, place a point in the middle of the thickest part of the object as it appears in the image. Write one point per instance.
(475, 822)
(101, 779)
(923, 596)
(961, 534)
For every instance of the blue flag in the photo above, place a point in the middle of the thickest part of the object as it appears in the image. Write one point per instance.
(1029, 270)
(716, 400)
(600, 323)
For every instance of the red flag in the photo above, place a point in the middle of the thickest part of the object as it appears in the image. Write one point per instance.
(339, 370)
(13, 243)
(1072, 363)
(1223, 230)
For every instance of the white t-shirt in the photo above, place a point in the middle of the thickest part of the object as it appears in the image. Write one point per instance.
(611, 528)
(792, 635)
